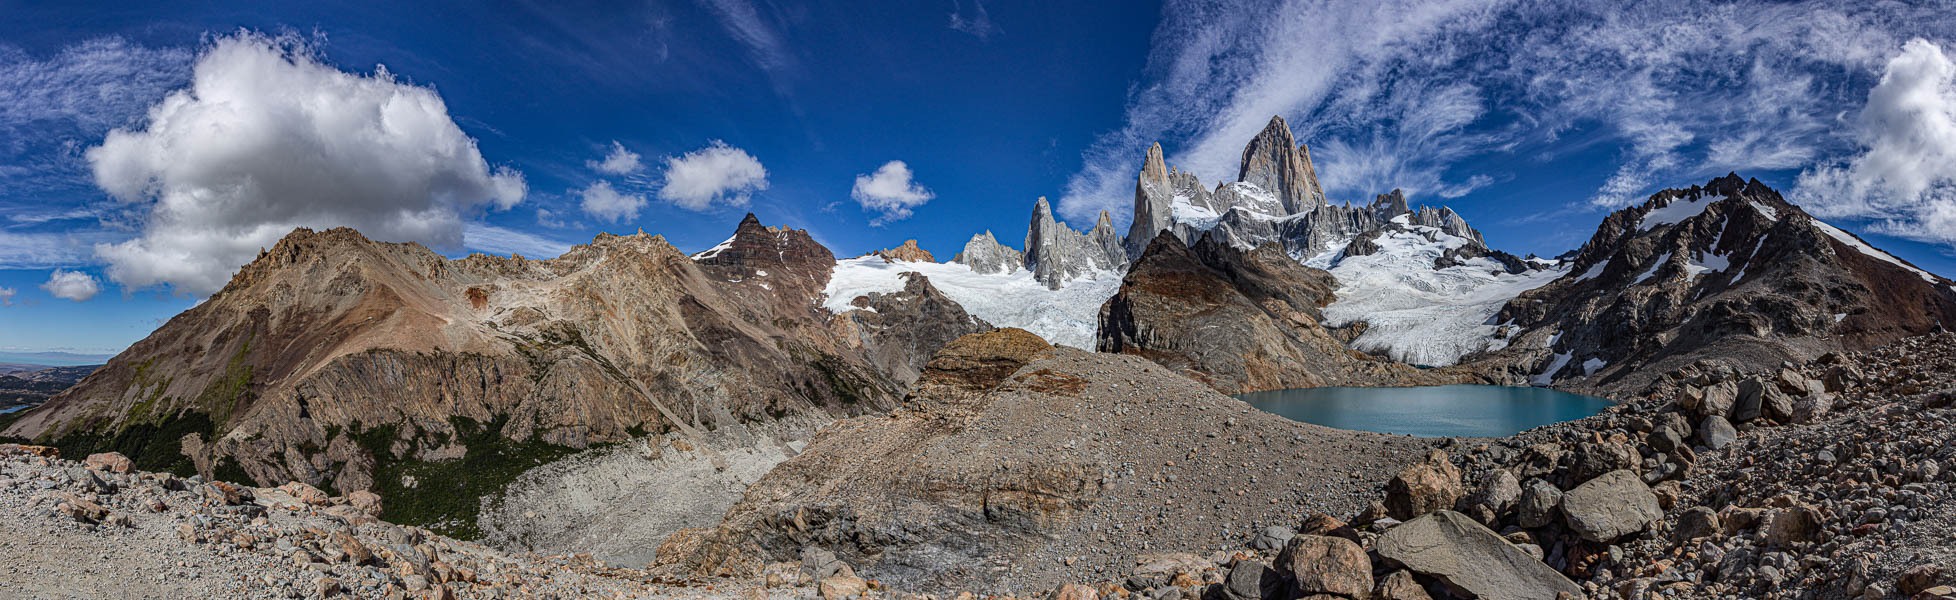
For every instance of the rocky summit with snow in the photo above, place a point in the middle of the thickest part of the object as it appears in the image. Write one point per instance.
(764, 420)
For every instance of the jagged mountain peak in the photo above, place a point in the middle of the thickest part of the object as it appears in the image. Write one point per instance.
(1056, 253)
(1154, 168)
(1271, 161)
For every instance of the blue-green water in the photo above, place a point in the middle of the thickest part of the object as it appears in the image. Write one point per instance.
(1434, 411)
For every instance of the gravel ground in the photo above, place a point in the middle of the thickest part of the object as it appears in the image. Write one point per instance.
(71, 530)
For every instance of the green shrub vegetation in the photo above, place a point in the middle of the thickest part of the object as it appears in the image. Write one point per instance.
(447, 495)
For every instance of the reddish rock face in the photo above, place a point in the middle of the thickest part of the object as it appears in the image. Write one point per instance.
(908, 251)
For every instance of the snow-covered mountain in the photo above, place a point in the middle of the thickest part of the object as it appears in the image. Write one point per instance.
(1417, 285)
(1728, 272)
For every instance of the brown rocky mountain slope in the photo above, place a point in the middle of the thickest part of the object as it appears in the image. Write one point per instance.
(1241, 321)
(1728, 271)
(1015, 464)
(353, 364)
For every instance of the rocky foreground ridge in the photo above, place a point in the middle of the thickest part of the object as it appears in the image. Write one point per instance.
(1821, 480)
(1698, 495)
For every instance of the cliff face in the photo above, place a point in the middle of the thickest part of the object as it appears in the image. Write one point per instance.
(1729, 272)
(1241, 321)
(1273, 161)
(332, 357)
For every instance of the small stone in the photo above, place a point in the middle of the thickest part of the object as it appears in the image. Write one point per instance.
(1272, 538)
(109, 462)
(368, 502)
(1399, 585)
(1069, 591)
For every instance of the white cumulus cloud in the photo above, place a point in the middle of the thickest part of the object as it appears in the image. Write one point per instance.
(1904, 180)
(70, 285)
(6, 296)
(717, 175)
(602, 201)
(268, 138)
(618, 162)
(889, 192)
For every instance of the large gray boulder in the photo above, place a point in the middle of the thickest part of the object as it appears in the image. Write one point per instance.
(1715, 401)
(1471, 559)
(1499, 491)
(1752, 400)
(1611, 506)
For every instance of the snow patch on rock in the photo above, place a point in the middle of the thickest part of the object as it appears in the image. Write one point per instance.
(1677, 211)
(1864, 248)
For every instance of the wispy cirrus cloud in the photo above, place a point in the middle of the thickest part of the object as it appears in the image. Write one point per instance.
(484, 237)
(1401, 93)
(975, 21)
(756, 31)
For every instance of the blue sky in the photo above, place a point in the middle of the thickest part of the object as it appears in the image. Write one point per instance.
(145, 152)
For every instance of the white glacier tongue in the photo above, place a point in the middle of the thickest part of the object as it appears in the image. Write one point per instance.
(1420, 315)
(1067, 316)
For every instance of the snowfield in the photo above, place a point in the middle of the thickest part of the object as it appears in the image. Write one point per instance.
(1419, 315)
(1067, 316)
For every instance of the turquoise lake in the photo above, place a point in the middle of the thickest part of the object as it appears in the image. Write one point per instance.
(1434, 411)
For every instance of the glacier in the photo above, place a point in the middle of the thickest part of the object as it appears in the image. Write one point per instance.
(1420, 315)
(1068, 316)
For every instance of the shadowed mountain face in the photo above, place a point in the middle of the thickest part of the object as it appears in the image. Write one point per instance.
(1728, 272)
(333, 359)
(1241, 321)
